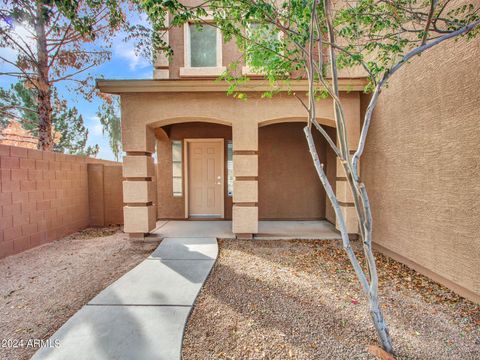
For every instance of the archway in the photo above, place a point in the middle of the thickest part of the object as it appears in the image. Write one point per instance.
(289, 188)
(173, 140)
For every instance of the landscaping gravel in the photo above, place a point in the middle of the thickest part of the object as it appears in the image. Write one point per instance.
(301, 300)
(40, 289)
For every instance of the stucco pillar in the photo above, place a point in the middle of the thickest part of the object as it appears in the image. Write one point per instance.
(343, 192)
(139, 210)
(245, 172)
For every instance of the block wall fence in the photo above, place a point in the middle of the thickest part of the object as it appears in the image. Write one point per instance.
(45, 196)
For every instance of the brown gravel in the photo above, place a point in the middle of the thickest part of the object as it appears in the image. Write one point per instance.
(43, 287)
(301, 300)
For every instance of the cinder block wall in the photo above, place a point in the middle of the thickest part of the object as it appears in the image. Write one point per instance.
(421, 166)
(45, 196)
(105, 194)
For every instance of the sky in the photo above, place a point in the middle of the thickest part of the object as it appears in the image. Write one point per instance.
(124, 64)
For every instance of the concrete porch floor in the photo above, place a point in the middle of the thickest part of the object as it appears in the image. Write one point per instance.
(268, 230)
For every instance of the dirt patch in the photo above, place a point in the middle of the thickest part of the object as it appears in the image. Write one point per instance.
(43, 287)
(301, 300)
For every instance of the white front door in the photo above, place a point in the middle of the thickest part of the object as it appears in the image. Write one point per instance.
(205, 178)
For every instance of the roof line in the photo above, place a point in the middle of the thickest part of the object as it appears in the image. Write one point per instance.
(212, 85)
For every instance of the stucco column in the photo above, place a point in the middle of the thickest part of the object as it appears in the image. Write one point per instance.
(139, 210)
(245, 172)
(344, 195)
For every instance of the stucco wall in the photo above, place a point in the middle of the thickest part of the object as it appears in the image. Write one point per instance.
(288, 186)
(44, 196)
(422, 162)
(230, 54)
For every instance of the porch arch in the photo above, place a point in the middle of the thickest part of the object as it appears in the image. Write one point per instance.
(188, 119)
(169, 205)
(288, 186)
(295, 119)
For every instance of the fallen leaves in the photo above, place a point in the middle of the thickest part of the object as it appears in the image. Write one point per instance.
(301, 300)
(379, 353)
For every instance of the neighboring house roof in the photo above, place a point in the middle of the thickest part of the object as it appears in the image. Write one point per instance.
(15, 135)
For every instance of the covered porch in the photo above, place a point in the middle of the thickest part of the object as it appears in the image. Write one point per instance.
(156, 113)
(267, 230)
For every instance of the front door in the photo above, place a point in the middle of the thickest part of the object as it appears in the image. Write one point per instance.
(205, 178)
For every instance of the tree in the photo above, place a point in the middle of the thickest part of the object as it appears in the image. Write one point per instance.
(321, 37)
(68, 130)
(56, 44)
(109, 116)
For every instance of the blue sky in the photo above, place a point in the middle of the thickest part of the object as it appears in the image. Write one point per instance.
(124, 64)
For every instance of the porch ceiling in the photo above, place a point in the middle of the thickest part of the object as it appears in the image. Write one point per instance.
(210, 85)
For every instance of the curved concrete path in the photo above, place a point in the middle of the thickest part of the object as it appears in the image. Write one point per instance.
(143, 314)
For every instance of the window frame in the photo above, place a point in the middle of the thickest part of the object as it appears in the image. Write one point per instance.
(187, 69)
(177, 194)
(229, 158)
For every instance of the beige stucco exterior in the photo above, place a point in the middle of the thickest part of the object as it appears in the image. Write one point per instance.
(177, 96)
(148, 107)
(421, 166)
(177, 67)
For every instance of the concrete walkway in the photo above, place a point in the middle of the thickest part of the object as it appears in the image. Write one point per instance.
(143, 314)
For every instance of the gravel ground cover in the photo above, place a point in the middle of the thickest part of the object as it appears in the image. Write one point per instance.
(43, 287)
(301, 300)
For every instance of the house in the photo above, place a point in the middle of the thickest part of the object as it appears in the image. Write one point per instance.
(219, 157)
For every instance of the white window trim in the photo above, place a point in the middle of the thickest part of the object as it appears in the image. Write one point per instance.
(187, 70)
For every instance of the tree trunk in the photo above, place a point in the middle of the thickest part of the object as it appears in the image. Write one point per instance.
(44, 101)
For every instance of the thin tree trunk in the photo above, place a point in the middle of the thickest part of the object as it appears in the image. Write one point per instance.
(369, 283)
(44, 101)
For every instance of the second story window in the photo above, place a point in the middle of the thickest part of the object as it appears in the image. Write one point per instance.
(203, 45)
(202, 50)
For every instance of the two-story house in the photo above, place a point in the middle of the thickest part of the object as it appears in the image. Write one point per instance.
(219, 157)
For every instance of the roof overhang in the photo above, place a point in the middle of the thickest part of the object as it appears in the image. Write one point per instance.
(210, 85)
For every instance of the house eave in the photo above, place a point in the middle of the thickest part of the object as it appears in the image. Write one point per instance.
(210, 85)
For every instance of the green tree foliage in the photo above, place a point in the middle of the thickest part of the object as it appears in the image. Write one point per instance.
(19, 104)
(109, 116)
(57, 42)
